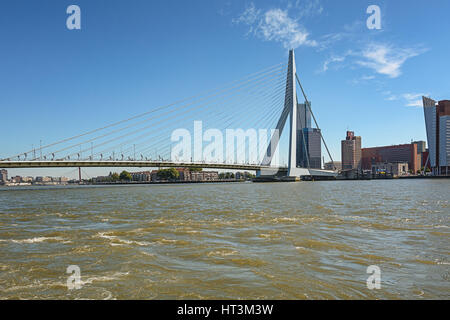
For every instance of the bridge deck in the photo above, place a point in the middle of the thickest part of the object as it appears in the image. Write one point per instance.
(152, 164)
(138, 164)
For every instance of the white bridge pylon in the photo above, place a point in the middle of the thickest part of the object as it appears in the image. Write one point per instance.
(290, 110)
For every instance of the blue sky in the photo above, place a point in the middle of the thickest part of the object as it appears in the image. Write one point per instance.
(131, 56)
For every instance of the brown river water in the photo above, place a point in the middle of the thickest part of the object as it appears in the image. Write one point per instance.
(307, 240)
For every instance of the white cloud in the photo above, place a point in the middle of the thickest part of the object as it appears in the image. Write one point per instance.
(386, 59)
(409, 99)
(278, 26)
(335, 59)
(350, 33)
(330, 61)
(309, 8)
(365, 78)
(249, 16)
(275, 25)
(413, 99)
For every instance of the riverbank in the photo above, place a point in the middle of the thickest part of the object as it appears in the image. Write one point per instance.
(164, 182)
(122, 183)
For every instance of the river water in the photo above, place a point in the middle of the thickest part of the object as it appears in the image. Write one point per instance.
(307, 240)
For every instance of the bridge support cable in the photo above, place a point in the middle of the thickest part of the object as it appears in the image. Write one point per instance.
(261, 80)
(229, 120)
(266, 121)
(223, 107)
(315, 121)
(234, 121)
(247, 78)
(169, 117)
(222, 129)
(169, 113)
(214, 112)
(162, 137)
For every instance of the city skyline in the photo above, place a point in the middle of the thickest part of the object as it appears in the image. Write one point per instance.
(347, 66)
(219, 158)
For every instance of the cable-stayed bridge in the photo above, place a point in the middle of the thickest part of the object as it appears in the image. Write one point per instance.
(251, 112)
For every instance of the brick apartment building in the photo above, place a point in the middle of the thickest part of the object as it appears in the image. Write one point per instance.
(392, 154)
(351, 152)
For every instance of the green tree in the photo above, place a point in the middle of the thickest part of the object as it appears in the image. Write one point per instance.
(195, 169)
(114, 177)
(125, 176)
(168, 174)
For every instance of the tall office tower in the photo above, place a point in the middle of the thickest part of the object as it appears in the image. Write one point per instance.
(303, 115)
(437, 124)
(309, 140)
(429, 108)
(309, 154)
(351, 151)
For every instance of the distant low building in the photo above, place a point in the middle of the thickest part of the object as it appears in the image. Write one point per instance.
(396, 169)
(185, 174)
(60, 180)
(204, 176)
(392, 154)
(154, 175)
(244, 175)
(332, 165)
(16, 179)
(3, 176)
(143, 176)
(101, 179)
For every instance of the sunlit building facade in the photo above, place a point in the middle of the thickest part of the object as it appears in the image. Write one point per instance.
(437, 123)
(351, 152)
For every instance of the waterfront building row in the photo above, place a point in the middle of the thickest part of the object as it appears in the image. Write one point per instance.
(28, 179)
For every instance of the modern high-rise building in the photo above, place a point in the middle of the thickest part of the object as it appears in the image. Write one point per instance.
(303, 115)
(351, 152)
(309, 155)
(309, 140)
(437, 123)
